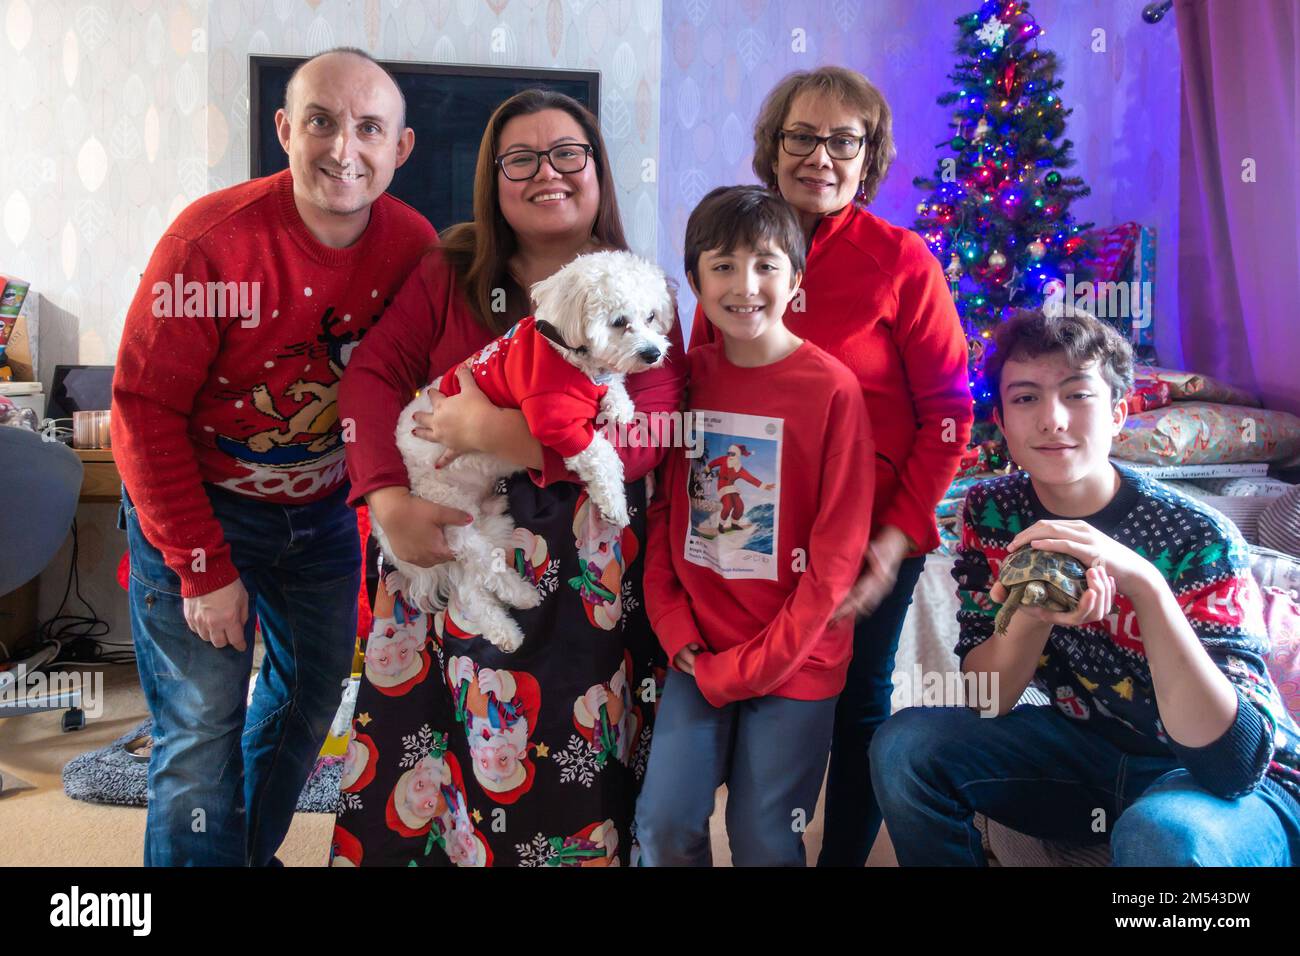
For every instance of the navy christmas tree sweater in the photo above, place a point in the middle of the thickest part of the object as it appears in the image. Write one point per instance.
(1098, 673)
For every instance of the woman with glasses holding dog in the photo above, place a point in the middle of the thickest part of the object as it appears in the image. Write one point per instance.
(462, 754)
(876, 299)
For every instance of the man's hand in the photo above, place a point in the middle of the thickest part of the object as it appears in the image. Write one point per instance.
(684, 660)
(219, 616)
(1130, 571)
(884, 555)
(456, 422)
(414, 526)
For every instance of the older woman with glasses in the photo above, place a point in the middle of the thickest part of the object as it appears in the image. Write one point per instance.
(876, 299)
(461, 753)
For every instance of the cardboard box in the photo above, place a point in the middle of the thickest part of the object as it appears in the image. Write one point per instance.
(20, 353)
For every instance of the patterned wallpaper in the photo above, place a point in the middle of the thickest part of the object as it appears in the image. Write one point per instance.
(120, 112)
(721, 57)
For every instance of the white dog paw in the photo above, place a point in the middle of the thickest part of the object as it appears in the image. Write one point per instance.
(525, 597)
(505, 636)
(615, 513)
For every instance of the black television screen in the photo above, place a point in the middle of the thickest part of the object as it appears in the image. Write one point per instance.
(448, 106)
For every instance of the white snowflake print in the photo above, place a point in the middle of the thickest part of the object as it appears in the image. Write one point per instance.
(630, 603)
(349, 801)
(642, 753)
(416, 747)
(578, 761)
(536, 853)
(550, 579)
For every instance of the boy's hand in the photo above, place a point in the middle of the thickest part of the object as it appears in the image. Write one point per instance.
(1094, 605)
(684, 660)
(1130, 571)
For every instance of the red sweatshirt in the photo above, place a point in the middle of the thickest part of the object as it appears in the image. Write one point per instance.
(522, 370)
(236, 384)
(759, 592)
(876, 299)
(428, 329)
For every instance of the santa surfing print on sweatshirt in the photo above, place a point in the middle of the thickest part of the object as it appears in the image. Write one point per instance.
(734, 490)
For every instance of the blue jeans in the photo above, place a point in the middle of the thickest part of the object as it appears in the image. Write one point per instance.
(769, 751)
(852, 812)
(224, 778)
(1039, 772)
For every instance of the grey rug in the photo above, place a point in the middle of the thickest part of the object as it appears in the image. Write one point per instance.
(110, 775)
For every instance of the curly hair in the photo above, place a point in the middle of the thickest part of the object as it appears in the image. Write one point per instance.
(1081, 338)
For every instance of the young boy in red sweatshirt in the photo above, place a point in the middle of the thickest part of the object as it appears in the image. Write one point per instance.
(744, 597)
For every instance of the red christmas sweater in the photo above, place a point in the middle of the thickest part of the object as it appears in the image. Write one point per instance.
(759, 597)
(229, 363)
(523, 370)
(876, 299)
(427, 330)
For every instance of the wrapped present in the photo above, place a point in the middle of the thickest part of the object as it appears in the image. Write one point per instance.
(1127, 253)
(1192, 386)
(1199, 433)
(1148, 395)
(984, 458)
(1115, 246)
(1144, 278)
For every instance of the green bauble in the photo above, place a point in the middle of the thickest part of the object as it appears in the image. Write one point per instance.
(958, 143)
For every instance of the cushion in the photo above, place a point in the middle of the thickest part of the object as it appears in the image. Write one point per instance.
(1253, 486)
(1192, 386)
(1279, 524)
(1282, 620)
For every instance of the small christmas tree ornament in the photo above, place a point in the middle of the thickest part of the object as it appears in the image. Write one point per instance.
(1036, 249)
(997, 260)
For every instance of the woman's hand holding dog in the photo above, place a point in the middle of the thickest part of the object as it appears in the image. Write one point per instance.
(468, 422)
(414, 526)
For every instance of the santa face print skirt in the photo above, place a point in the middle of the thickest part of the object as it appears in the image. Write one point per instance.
(462, 755)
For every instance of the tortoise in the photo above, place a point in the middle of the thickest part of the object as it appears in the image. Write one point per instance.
(1045, 579)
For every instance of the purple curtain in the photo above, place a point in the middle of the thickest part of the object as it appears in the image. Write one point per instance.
(1238, 253)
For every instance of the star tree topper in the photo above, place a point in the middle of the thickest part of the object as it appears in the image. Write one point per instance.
(992, 33)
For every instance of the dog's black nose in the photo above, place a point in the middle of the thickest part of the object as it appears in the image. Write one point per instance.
(649, 355)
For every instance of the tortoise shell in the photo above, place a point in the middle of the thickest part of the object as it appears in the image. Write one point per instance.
(1063, 572)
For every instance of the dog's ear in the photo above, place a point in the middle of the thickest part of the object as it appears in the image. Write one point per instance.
(562, 302)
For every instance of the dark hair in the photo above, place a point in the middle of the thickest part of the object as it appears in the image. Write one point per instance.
(857, 93)
(1029, 333)
(479, 251)
(353, 51)
(743, 215)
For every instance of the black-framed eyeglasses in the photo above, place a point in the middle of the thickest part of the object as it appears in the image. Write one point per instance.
(838, 145)
(524, 163)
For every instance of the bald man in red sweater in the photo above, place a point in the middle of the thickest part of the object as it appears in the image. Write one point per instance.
(226, 432)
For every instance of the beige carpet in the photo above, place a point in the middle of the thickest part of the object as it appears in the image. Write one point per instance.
(42, 827)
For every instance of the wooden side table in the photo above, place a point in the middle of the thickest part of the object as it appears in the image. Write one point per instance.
(100, 481)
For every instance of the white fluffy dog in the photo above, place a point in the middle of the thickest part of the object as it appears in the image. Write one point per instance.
(606, 315)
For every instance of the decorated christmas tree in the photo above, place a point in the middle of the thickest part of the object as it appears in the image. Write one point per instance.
(998, 211)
